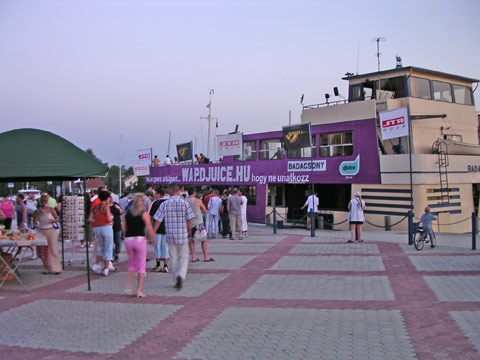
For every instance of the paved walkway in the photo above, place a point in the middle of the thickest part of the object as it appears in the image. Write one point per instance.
(283, 296)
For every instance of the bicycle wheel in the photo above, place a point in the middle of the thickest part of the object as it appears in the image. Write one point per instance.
(418, 240)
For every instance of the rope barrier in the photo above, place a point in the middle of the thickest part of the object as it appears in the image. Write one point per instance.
(262, 218)
(334, 224)
(383, 226)
(454, 223)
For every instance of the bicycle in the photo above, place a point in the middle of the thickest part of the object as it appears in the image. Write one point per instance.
(420, 237)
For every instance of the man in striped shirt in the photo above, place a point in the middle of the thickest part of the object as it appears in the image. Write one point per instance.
(177, 215)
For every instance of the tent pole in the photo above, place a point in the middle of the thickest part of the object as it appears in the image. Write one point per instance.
(62, 229)
(87, 229)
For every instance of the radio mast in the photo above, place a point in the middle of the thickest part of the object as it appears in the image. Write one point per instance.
(378, 40)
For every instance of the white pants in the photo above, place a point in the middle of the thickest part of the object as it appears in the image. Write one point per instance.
(179, 257)
(244, 222)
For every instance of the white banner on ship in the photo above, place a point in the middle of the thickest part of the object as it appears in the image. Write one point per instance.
(394, 123)
(141, 170)
(229, 145)
(144, 157)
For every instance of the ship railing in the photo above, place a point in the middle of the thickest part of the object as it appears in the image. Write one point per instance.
(329, 103)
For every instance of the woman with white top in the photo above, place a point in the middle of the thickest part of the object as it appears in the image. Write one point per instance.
(356, 217)
(44, 218)
(243, 209)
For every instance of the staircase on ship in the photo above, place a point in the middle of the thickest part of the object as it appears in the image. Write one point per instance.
(443, 172)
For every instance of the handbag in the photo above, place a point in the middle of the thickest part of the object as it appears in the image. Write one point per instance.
(200, 233)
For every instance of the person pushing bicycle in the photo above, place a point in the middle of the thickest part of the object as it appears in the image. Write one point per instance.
(427, 219)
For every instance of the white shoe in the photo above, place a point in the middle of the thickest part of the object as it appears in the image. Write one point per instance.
(34, 257)
(105, 272)
(165, 269)
(111, 267)
(96, 268)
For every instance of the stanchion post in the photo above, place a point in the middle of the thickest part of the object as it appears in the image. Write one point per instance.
(312, 220)
(474, 231)
(85, 235)
(410, 227)
(274, 220)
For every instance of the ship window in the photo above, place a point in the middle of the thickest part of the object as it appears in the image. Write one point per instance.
(249, 151)
(442, 91)
(463, 94)
(359, 92)
(250, 192)
(420, 88)
(305, 152)
(279, 194)
(392, 88)
(336, 144)
(271, 149)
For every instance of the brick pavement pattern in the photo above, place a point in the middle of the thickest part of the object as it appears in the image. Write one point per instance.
(283, 296)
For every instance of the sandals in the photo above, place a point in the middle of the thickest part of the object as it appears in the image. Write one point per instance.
(197, 260)
(211, 259)
(141, 295)
(350, 242)
(129, 292)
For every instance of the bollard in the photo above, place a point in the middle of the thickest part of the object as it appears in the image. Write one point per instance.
(388, 223)
(321, 224)
(274, 220)
(410, 226)
(312, 224)
(474, 231)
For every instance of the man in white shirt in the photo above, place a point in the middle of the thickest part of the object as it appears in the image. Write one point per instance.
(312, 203)
(167, 161)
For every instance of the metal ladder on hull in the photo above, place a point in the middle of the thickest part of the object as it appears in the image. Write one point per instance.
(443, 172)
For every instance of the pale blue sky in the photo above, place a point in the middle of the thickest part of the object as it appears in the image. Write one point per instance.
(91, 71)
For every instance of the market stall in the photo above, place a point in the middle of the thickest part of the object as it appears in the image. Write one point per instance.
(38, 155)
(11, 256)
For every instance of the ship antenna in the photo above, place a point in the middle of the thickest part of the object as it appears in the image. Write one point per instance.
(377, 40)
(358, 55)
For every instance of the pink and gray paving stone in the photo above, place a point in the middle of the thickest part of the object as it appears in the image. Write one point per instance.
(282, 296)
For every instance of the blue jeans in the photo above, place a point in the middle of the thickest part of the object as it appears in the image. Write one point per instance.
(105, 241)
(161, 247)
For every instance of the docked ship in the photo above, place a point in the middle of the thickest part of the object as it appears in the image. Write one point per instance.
(438, 166)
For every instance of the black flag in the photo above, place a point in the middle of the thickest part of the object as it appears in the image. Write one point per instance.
(184, 151)
(296, 136)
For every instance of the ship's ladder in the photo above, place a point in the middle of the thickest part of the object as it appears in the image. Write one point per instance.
(443, 172)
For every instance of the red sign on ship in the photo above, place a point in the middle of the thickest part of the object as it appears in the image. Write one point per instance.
(229, 143)
(393, 122)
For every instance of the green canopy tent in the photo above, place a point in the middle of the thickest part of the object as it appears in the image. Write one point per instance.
(38, 155)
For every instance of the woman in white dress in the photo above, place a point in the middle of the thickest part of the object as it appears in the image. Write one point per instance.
(244, 216)
(356, 217)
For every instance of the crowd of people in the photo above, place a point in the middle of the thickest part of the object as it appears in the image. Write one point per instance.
(173, 220)
(199, 159)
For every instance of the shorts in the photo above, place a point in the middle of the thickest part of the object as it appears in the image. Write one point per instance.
(161, 247)
(356, 222)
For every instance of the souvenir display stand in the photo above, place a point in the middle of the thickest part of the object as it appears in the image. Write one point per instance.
(73, 210)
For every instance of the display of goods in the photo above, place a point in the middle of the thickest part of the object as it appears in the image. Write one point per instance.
(73, 218)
